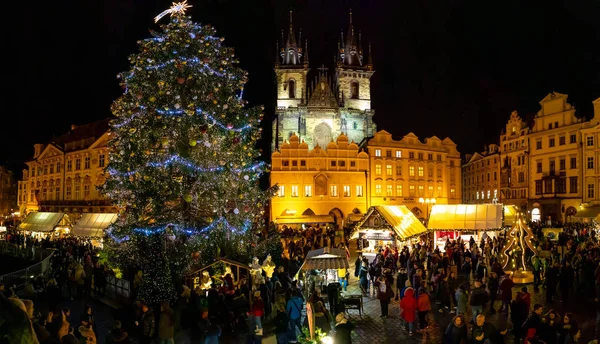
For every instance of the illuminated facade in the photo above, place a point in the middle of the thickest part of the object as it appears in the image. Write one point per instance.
(410, 172)
(318, 183)
(8, 192)
(481, 176)
(555, 185)
(319, 111)
(590, 136)
(514, 168)
(63, 175)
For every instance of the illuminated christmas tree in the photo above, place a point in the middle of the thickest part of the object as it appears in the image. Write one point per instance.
(183, 166)
(514, 251)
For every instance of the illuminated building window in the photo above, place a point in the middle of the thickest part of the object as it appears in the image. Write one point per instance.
(378, 169)
(346, 190)
(411, 171)
(421, 190)
(281, 191)
(430, 190)
(334, 191)
(452, 193)
(399, 190)
(421, 171)
(378, 190)
(488, 194)
(477, 194)
(378, 152)
(388, 170)
(439, 191)
(308, 190)
(411, 190)
(398, 154)
(359, 191)
(294, 191)
(389, 191)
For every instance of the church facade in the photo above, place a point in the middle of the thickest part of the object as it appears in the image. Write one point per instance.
(332, 103)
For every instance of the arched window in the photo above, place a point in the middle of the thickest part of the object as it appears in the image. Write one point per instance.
(292, 88)
(354, 90)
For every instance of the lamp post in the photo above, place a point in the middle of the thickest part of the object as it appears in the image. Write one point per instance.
(427, 202)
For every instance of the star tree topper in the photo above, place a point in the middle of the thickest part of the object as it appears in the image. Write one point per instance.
(176, 8)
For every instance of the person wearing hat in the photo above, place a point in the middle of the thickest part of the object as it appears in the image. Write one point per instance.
(343, 329)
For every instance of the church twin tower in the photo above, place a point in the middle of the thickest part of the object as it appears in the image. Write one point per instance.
(320, 110)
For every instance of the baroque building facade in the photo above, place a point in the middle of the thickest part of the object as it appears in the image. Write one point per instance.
(412, 172)
(63, 175)
(318, 185)
(590, 136)
(514, 167)
(481, 176)
(556, 165)
(332, 103)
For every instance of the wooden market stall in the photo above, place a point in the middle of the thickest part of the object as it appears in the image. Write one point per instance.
(93, 225)
(386, 225)
(451, 221)
(320, 267)
(44, 224)
(215, 272)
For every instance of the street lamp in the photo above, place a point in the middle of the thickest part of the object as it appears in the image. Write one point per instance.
(427, 202)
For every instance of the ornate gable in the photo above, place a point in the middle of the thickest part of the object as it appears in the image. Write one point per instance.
(50, 151)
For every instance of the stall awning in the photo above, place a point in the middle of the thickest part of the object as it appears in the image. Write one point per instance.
(325, 258)
(403, 222)
(305, 219)
(589, 213)
(466, 217)
(41, 221)
(510, 214)
(93, 224)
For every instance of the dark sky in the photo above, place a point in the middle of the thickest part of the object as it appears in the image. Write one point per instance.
(446, 68)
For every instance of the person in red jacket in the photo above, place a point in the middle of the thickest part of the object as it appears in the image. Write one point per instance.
(423, 306)
(256, 313)
(408, 308)
(506, 292)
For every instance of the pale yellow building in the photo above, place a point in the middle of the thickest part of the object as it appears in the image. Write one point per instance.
(63, 175)
(481, 176)
(317, 185)
(590, 136)
(413, 173)
(555, 160)
(514, 167)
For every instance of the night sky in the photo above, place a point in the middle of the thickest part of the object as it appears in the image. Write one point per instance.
(446, 68)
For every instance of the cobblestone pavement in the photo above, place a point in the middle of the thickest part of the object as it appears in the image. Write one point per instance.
(371, 328)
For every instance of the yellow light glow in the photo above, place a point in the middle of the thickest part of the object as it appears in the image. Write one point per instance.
(176, 7)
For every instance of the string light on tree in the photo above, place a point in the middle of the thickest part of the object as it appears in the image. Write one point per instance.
(183, 165)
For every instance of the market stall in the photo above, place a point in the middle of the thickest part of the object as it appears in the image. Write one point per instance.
(320, 267)
(46, 224)
(213, 274)
(465, 221)
(387, 226)
(92, 226)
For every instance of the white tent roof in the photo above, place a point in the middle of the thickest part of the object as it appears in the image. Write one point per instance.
(41, 221)
(465, 217)
(93, 224)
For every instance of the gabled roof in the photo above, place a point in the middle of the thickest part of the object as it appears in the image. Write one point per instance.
(553, 96)
(476, 156)
(49, 151)
(85, 131)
